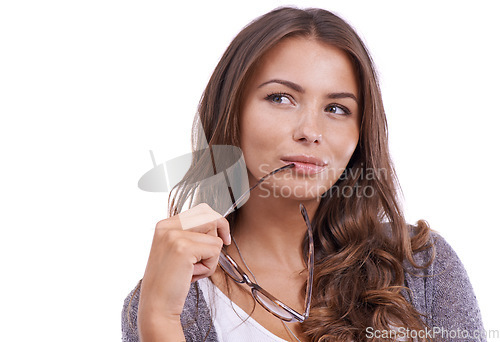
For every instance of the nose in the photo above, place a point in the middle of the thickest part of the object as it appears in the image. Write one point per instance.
(308, 129)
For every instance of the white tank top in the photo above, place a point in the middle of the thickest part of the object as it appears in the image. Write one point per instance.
(232, 323)
(229, 319)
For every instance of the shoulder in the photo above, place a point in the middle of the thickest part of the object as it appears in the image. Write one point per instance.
(441, 259)
(439, 256)
(195, 318)
(442, 291)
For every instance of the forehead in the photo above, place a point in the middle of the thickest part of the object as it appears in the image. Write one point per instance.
(313, 64)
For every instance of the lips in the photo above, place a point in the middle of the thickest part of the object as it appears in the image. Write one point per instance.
(305, 164)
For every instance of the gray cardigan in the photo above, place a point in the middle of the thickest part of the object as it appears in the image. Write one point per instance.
(442, 292)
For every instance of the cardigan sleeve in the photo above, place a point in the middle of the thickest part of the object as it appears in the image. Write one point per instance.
(195, 318)
(450, 300)
(129, 316)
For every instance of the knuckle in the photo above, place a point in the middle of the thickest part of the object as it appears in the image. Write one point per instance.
(167, 235)
(216, 248)
(212, 225)
(161, 224)
(180, 246)
(220, 243)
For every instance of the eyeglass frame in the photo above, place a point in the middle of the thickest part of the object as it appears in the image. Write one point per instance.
(296, 316)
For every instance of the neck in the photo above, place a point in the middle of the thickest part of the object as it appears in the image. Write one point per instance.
(271, 228)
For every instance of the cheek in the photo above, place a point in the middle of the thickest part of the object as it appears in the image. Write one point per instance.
(259, 129)
(350, 144)
(254, 137)
(343, 144)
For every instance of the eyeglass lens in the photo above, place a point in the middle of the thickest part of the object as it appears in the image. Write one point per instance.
(229, 268)
(272, 306)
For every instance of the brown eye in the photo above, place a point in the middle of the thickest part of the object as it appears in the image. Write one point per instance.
(336, 109)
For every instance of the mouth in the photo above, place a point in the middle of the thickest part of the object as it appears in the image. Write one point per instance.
(305, 164)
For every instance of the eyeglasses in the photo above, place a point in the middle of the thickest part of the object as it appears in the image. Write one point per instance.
(264, 298)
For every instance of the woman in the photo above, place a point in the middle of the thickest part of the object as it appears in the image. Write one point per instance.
(298, 88)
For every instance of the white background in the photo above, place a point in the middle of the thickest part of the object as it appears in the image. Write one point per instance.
(87, 88)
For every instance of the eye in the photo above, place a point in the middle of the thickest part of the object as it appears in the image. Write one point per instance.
(337, 109)
(279, 98)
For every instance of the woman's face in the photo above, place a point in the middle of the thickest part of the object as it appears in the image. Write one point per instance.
(300, 105)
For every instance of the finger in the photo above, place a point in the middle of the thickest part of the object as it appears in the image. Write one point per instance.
(223, 230)
(202, 238)
(208, 258)
(206, 254)
(202, 219)
(206, 267)
(174, 223)
(219, 227)
(198, 216)
(183, 241)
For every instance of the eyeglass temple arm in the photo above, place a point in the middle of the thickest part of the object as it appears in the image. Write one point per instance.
(310, 260)
(242, 197)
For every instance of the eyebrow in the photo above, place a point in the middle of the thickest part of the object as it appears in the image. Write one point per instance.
(301, 90)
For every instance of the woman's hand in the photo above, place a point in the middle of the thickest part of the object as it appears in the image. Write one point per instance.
(185, 248)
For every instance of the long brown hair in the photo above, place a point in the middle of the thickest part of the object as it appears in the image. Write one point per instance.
(360, 241)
